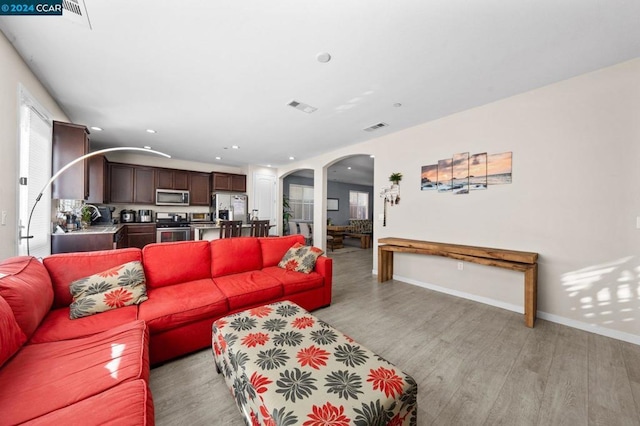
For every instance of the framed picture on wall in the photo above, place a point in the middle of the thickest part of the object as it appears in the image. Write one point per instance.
(332, 204)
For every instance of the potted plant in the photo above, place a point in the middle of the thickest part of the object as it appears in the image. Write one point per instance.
(85, 217)
(286, 213)
(395, 178)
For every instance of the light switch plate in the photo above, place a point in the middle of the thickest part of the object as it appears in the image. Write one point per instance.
(381, 216)
(637, 222)
(4, 218)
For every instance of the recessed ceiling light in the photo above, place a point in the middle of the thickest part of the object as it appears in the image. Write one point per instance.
(348, 168)
(235, 146)
(151, 131)
(372, 156)
(96, 128)
(146, 147)
(292, 158)
(218, 158)
(268, 165)
(397, 105)
(323, 57)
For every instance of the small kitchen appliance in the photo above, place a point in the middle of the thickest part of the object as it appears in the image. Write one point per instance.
(127, 216)
(145, 216)
(199, 217)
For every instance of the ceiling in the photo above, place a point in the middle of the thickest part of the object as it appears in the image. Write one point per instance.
(207, 75)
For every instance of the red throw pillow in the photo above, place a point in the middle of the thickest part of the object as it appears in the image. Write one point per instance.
(300, 258)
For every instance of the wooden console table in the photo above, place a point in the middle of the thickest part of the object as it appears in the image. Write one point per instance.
(508, 259)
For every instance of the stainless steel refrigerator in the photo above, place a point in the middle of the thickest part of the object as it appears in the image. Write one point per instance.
(229, 206)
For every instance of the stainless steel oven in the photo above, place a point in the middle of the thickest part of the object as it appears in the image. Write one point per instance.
(169, 235)
(171, 227)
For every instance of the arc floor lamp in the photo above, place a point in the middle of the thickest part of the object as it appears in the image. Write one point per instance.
(72, 163)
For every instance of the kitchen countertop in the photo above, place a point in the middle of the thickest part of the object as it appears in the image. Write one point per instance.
(94, 229)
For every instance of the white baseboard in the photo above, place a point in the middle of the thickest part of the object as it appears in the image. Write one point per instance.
(614, 334)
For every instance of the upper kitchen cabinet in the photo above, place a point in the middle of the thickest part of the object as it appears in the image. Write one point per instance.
(144, 189)
(69, 142)
(120, 183)
(172, 179)
(229, 182)
(130, 184)
(200, 188)
(98, 180)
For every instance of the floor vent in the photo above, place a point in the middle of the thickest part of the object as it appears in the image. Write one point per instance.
(302, 107)
(76, 12)
(375, 127)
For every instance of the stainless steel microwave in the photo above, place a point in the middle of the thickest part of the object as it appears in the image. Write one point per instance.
(172, 197)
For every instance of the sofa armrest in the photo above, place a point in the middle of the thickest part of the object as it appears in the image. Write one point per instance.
(324, 267)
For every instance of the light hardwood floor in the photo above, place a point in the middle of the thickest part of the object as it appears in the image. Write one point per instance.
(474, 364)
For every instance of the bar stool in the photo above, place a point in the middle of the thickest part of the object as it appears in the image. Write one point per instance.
(230, 228)
(259, 228)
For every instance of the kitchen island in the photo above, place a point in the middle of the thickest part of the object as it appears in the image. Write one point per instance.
(97, 237)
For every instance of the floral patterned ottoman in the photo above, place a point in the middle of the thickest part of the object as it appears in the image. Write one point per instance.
(283, 366)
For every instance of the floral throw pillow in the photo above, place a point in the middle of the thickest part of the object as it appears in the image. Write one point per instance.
(300, 258)
(120, 286)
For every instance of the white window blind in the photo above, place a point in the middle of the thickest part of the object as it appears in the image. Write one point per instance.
(301, 202)
(35, 166)
(358, 205)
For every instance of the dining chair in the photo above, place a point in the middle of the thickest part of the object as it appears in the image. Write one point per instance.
(305, 230)
(293, 228)
(259, 228)
(230, 228)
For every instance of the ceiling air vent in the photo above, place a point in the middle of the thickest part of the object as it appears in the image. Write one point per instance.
(76, 12)
(302, 107)
(375, 127)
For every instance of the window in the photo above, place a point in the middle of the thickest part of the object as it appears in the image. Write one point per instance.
(358, 205)
(301, 202)
(35, 169)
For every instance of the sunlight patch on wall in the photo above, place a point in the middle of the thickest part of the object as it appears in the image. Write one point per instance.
(607, 293)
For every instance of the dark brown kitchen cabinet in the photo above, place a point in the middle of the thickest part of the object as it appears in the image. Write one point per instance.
(172, 179)
(229, 182)
(139, 235)
(144, 189)
(70, 141)
(121, 183)
(200, 188)
(129, 184)
(98, 180)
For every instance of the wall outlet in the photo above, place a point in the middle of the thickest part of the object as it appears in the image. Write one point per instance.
(460, 266)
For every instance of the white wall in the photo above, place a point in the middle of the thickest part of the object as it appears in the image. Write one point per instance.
(13, 72)
(574, 200)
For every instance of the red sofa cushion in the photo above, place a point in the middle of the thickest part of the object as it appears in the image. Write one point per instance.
(234, 255)
(25, 285)
(57, 325)
(273, 249)
(128, 403)
(294, 282)
(174, 263)
(65, 268)
(172, 306)
(11, 335)
(46, 377)
(248, 288)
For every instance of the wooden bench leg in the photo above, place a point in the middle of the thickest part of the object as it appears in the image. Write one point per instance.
(530, 295)
(385, 265)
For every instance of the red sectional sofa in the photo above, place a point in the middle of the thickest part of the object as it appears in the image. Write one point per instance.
(55, 370)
